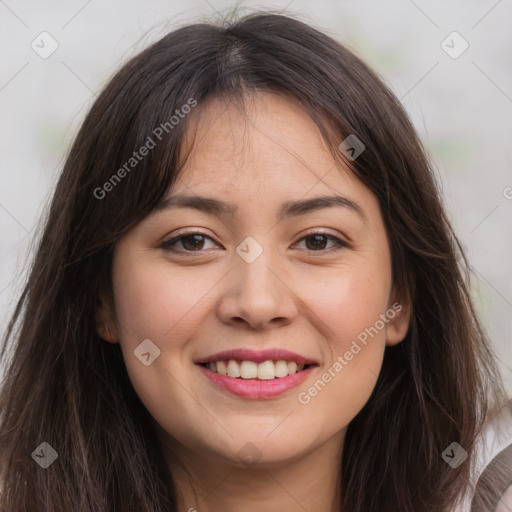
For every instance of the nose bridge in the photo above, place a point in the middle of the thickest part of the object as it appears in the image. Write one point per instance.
(255, 291)
(257, 268)
(256, 272)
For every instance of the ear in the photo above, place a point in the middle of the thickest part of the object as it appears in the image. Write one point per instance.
(399, 315)
(104, 319)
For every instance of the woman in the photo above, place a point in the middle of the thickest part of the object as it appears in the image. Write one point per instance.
(320, 352)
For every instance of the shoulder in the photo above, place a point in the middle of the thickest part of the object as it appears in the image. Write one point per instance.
(493, 466)
(505, 501)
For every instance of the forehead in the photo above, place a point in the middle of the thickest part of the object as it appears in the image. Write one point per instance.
(264, 158)
(270, 139)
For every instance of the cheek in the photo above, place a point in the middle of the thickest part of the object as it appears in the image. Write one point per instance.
(351, 307)
(157, 301)
(349, 303)
(154, 302)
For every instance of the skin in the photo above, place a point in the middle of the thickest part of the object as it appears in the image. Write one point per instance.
(296, 296)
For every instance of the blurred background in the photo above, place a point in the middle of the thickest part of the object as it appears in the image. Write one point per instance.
(449, 62)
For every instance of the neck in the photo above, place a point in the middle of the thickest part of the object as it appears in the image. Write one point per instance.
(208, 484)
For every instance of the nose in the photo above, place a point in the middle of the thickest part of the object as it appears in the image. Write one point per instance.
(257, 295)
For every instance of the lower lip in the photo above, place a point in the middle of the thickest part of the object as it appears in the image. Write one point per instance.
(254, 388)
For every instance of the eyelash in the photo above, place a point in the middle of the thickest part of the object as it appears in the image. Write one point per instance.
(169, 243)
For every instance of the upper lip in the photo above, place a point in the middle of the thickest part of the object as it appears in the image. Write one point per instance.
(257, 356)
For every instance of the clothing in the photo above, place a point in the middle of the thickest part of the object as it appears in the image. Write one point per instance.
(495, 437)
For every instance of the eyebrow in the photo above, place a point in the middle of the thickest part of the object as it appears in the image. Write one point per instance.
(219, 208)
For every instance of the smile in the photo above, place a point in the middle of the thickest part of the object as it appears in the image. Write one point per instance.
(267, 370)
(255, 388)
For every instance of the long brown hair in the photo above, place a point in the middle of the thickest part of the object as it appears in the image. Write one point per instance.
(67, 387)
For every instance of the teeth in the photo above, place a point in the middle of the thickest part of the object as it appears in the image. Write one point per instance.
(248, 370)
(268, 370)
(281, 369)
(233, 368)
(222, 368)
(292, 367)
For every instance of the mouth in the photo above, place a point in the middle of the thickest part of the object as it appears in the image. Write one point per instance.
(266, 370)
(256, 375)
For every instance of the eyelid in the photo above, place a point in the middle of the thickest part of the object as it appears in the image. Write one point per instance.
(183, 234)
(341, 242)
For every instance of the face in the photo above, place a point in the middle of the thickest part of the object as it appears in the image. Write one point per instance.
(280, 277)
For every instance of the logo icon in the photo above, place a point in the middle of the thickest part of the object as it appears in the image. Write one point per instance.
(44, 455)
(249, 249)
(147, 352)
(249, 454)
(44, 45)
(352, 147)
(454, 45)
(455, 455)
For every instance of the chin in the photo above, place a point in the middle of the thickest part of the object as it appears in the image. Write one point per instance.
(260, 453)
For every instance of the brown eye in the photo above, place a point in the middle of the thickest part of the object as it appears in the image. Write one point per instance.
(190, 242)
(195, 242)
(317, 242)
